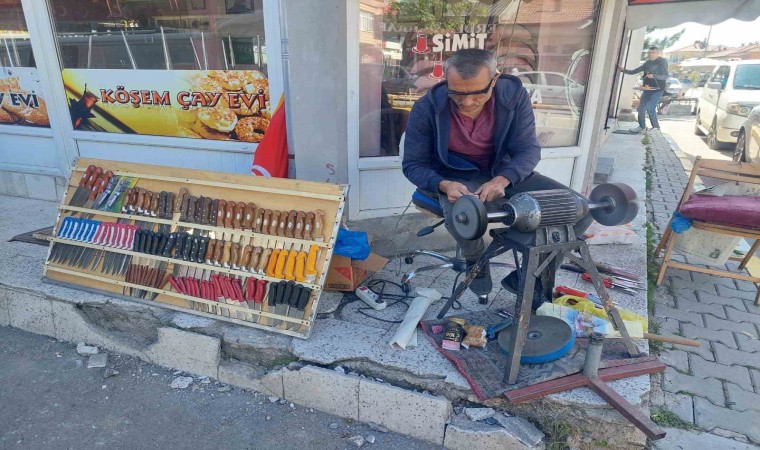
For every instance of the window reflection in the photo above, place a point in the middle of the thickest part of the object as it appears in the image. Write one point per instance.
(161, 34)
(546, 43)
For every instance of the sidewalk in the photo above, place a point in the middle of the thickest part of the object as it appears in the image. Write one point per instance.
(716, 387)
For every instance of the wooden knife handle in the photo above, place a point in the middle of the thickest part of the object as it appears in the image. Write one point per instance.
(273, 222)
(308, 226)
(298, 232)
(290, 228)
(266, 218)
(221, 213)
(229, 214)
(283, 223)
(154, 201)
(180, 200)
(226, 254)
(259, 220)
(218, 248)
(235, 255)
(237, 221)
(249, 215)
(245, 259)
(209, 256)
(255, 257)
(319, 225)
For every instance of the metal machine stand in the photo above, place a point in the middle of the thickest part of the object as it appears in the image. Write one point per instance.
(543, 251)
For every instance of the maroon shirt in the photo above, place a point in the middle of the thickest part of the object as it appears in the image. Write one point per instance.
(473, 138)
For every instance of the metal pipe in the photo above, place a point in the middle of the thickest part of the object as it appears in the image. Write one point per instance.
(593, 355)
(232, 52)
(89, 51)
(205, 56)
(167, 58)
(498, 215)
(195, 52)
(129, 52)
(15, 51)
(8, 51)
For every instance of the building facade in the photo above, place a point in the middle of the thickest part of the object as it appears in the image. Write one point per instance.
(192, 83)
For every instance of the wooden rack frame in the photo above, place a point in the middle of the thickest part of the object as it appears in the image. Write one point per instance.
(269, 193)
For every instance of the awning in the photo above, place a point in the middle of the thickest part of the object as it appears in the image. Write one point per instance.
(670, 13)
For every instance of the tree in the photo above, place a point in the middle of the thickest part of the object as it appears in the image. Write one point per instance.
(436, 14)
(663, 42)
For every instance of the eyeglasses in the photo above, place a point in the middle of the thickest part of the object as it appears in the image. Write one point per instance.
(455, 94)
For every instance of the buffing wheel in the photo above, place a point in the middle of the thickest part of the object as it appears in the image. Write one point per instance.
(547, 339)
(620, 203)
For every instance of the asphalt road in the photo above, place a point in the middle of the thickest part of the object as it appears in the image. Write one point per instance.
(49, 399)
(681, 129)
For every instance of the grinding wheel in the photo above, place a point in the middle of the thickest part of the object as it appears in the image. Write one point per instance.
(468, 217)
(547, 339)
(620, 200)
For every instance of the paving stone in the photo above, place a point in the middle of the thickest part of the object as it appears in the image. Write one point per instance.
(735, 293)
(747, 343)
(676, 382)
(323, 389)
(745, 285)
(677, 439)
(709, 288)
(729, 325)
(685, 304)
(726, 337)
(463, 434)
(668, 325)
(741, 399)
(678, 359)
(699, 277)
(729, 356)
(720, 300)
(751, 306)
(709, 416)
(756, 376)
(681, 404)
(679, 273)
(708, 369)
(403, 411)
(30, 312)
(741, 316)
(682, 316)
(704, 350)
(525, 432)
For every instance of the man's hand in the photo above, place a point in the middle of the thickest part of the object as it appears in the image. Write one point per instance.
(453, 189)
(649, 75)
(493, 189)
(621, 68)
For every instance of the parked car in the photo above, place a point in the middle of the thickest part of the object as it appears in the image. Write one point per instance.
(748, 142)
(727, 99)
(673, 86)
(555, 88)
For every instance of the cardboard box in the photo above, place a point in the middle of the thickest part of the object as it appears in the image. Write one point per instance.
(346, 274)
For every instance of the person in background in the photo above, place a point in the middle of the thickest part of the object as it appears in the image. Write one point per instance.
(654, 82)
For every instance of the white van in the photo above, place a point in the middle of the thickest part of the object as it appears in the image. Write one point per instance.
(727, 99)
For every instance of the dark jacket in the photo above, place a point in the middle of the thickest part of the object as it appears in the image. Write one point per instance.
(659, 70)
(427, 160)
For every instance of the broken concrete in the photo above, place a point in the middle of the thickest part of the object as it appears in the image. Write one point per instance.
(463, 434)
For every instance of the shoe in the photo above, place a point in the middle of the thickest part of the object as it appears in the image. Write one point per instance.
(511, 283)
(482, 284)
(636, 130)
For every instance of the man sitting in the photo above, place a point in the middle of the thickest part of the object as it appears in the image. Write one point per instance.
(475, 134)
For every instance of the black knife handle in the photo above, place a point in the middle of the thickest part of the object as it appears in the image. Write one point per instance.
(303, 299)
(170, 241)
(274, 289)
(295, 295)
(137, 244)
(200, 256)
(289, 287)
(164, 237)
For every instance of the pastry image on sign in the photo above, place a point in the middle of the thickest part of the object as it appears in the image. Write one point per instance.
(20, 100)
(196, 104)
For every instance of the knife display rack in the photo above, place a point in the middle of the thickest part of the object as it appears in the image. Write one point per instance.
(134, 255)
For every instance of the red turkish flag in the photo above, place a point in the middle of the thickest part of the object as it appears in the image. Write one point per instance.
(271, 157)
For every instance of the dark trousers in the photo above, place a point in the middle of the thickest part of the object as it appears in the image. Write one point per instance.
(472, 250)
(648, 105)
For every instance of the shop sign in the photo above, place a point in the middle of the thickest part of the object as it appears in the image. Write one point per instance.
(21, 101)
(212, 104)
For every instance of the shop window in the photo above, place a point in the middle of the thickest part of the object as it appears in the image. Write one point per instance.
(21, 97)
(546, 43)
(190, 68)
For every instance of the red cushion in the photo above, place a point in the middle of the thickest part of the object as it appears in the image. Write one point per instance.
(733, 210)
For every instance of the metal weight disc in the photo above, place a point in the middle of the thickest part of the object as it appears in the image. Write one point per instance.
(547, 339)
(468, 217)
(623, 205)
